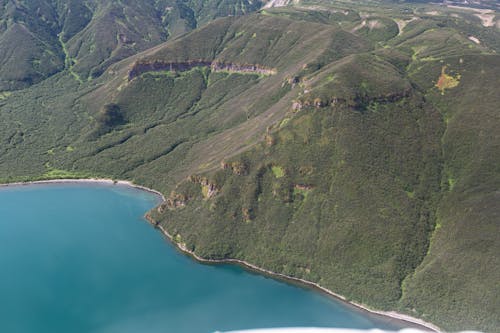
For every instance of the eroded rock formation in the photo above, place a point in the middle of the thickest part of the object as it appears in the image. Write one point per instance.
(141, 67)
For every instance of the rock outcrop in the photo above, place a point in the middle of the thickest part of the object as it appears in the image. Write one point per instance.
(208, 189)
(238, 168)
(141, 67)
(356, 102)
(174, 201)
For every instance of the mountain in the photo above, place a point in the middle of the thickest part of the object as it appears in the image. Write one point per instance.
(354, 145)
(43, 37)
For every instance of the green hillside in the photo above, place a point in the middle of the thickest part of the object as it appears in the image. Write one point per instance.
(39, 38)
(354, 145)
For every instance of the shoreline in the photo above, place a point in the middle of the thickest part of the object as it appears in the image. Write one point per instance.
(241, 263)
(106, 181)
(246, 265)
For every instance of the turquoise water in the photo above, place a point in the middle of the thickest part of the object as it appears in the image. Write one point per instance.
(80, 258)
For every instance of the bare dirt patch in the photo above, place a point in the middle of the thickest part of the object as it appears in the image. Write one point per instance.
(474, 39)
(487, 16)
(487, 20)
(447, 81)
(403, 23)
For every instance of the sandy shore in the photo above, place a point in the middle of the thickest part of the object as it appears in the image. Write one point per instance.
(242, 263)
(328, 330)
(88, 181)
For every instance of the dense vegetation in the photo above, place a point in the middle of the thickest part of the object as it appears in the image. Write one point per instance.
(39, 38)
(352, 145)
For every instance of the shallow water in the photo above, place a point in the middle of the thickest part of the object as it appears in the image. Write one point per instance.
(80, 258)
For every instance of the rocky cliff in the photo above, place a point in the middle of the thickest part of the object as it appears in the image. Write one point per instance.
(141, 67)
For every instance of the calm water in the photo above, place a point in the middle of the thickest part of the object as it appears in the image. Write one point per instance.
(80, 258)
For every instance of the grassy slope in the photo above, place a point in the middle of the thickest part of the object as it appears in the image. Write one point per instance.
(463, 264)
(347, 191)
(198, 105)
(354, 220)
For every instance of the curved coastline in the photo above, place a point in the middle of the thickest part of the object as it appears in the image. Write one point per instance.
(242, 263)
(106, 181)
(246, 265)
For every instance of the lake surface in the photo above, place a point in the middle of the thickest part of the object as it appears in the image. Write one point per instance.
(80, 258)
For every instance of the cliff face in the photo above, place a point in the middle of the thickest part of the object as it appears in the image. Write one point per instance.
(242, 68)
(357, 102)
(157, 66)
(182, 66)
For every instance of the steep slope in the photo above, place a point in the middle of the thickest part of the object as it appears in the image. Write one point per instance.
(203, 105)
(340, 193)
(459, 277)
(198, 104)
(29, 49)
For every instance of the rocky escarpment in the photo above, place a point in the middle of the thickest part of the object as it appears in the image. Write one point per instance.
(141, 67)
(208, 188)
(357, 102)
